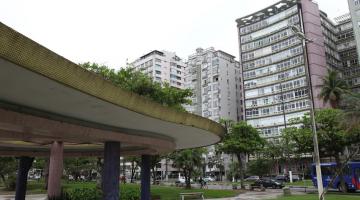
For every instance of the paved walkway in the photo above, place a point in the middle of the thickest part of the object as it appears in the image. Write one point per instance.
(256, 195)
(28, 197)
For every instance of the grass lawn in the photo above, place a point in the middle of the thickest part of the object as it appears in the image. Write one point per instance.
(170, 193)
(165, 192)
(307, 183)
(315, 197)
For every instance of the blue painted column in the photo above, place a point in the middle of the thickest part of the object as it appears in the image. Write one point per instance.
(111, 171)
(145, 177)
(22, 174)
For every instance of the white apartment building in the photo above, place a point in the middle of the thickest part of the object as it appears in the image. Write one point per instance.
(214, 77)
(162, 66)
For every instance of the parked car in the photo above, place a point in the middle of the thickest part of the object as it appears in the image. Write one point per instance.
(252, 178)
(181, 181)
(282, 178)
(208, 179)
(268, 183)
(296, 178)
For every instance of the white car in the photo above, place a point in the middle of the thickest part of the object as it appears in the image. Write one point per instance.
(252, 178)
(181, 181)
(208, 179)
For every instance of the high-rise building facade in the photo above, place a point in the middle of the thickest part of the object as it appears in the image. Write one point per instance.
(214, 77)
(354, 7)
(283, 57)
(347, 48)
(162, 66)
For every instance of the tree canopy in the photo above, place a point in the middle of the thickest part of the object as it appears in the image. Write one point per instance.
(333, 88)
(139, 83)
(241, 139)
(188, 160)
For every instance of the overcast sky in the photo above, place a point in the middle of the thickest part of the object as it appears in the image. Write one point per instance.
(109, 32)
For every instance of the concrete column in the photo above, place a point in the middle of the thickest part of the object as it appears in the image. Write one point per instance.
(22, 174)
(55, 170)
(111, 171)
(145, 177)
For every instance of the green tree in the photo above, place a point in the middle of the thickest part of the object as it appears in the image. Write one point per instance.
(80, 166)
(332, 135)
(274, 152)
(242, 139)
(233, 171)
(333, 88)
(154, 161)
(139, 83)
(8, 167)
(188, 160)
(260, 167)
(350, 104)
(133, 167)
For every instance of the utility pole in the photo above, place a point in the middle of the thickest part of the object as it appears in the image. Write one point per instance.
(300, 34)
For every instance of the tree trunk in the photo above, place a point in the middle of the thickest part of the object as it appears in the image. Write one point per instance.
(187, 175)
(3, 179)
(25, 164)
(132, 171)
(46, 173)
(166, 170)
(341, 176)
(154, 176)
(241, 170)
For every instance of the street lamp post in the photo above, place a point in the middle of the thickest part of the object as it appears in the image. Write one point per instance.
(305, 40)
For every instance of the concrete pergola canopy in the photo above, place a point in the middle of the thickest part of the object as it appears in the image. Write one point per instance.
(45, 97)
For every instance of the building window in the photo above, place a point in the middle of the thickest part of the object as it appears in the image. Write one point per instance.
(357, 2)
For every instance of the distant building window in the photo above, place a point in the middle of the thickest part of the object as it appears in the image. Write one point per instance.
(157, 72)
(357, 2)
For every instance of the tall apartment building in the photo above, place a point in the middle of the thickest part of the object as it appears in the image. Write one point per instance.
(347, 48)
(278, 67)
(162, 66)
(214, 77)
(354, 7)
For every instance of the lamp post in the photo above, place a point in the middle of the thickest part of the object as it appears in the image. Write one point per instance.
(319, 181)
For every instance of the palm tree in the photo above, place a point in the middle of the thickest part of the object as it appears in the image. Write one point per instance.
(333, 88)
(350, 104)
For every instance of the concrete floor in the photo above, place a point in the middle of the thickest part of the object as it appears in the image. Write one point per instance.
(28, 197)
(256, 195)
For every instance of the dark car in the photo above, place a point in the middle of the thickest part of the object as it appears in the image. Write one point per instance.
(268, 183)
(282, 178)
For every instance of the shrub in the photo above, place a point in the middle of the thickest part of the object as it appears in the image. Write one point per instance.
(11, 183)
(82, 193)
(130, 194)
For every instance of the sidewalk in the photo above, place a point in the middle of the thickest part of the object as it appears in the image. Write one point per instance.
(28, 197)
(254, 195)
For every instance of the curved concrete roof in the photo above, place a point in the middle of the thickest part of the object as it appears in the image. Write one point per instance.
(44, 96)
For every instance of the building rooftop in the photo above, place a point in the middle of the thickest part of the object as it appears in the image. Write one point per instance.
(266, 12)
